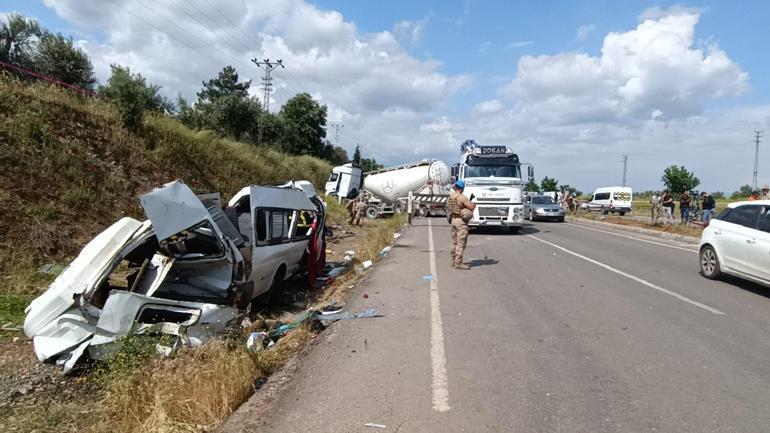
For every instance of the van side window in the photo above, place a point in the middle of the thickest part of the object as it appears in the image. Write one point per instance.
(261, 225)
(601, 196)
(279, 225)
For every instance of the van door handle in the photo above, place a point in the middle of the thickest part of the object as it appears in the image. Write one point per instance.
(751, 241)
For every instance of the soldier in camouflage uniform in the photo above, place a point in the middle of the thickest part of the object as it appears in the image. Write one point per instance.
(460, 211)
(356, 208)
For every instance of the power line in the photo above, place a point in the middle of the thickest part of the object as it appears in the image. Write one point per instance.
(757, 139)
(267, 80)
(206, 26)
(248, 37)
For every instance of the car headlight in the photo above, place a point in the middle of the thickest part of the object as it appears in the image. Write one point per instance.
(539, 210)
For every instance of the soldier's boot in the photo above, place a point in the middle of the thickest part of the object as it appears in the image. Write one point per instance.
(462, 266)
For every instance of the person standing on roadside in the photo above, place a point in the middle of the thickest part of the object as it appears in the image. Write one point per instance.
(655, 208)
(765, 193)
(667, 202)
(709, 207)
(684, 207)
(460, 211)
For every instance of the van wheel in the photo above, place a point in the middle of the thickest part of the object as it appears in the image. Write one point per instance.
(605, 211)
(621, 213)
(709, 262)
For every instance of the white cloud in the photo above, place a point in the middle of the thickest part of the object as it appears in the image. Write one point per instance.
(492, 106)
(409, 32)
(653, 67)
(584, 30)
(518, 44)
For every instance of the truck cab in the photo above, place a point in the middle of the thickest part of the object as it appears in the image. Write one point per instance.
(345, 181)
(493, 181)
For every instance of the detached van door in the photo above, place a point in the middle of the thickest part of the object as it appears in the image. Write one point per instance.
(206, 263)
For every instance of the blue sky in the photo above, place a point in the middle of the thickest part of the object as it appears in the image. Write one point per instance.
(411, 80)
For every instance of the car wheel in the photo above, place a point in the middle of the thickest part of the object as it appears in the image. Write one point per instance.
(709, 262)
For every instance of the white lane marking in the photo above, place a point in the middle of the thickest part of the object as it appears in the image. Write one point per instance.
(632, 277)
(438, 359)
(636, 238)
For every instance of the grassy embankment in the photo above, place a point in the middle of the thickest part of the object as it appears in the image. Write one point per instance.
(69, 171)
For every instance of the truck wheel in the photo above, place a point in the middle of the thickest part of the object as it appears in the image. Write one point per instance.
(371, 212)
(422, 212)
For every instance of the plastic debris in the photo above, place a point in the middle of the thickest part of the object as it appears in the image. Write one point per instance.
(385, 251)
(255, 341)
(427, 277)
(366, 296)
(396, 235)
(371, 424)
(347, 315)
(367, 264)
(51, 269)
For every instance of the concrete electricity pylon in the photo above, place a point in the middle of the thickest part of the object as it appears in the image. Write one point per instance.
(267, 80)
(337, 126)
(625, 169)
(757, 138)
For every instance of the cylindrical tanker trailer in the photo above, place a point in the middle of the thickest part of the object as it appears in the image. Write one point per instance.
(386, 190)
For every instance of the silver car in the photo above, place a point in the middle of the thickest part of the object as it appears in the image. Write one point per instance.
(542, 207)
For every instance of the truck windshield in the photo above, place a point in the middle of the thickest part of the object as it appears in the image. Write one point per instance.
(493, 171)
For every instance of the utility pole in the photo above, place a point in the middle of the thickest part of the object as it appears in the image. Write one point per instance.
(267, 80)
(625, 169)
(337, 126)
(757, 138)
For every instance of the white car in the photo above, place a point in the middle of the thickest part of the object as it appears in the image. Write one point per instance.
(737, 242)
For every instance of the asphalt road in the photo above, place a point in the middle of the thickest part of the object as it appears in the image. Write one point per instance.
(562, 328)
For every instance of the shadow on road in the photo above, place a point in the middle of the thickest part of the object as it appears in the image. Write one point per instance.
(746, 285)
(481, 262)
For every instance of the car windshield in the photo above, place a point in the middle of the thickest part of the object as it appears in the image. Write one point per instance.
(492, 171)
(542, 200)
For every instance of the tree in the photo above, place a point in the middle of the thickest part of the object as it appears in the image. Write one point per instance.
(335, 154)
(531, 186)
(131, 94)
(224, 105)
(370, 164)
(271, 130)
(357, 155)
(57, 57)
(305, 122)
(718, 195)
(17, 37)
(549, 184)
(679, 179)
(225, 84)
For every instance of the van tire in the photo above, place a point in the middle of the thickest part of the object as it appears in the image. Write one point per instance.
(605, 211)
(621, 213)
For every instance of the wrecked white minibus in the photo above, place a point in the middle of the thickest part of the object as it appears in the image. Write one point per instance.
(188, 271)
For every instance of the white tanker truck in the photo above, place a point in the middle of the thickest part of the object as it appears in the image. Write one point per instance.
(386, 191)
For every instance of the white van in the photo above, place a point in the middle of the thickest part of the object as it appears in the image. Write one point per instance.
(615, 199)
